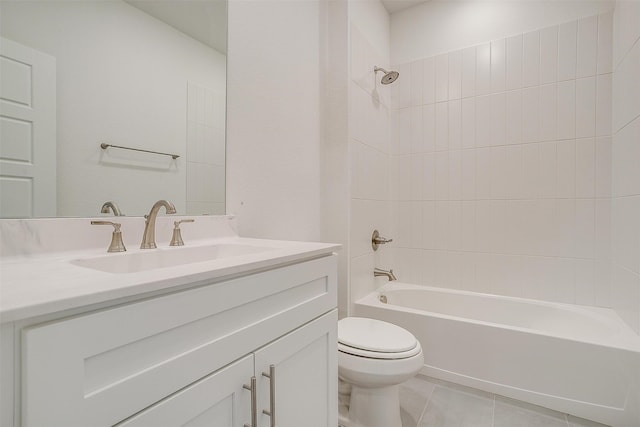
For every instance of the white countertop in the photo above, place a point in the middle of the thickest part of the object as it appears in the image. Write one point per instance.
(36, 284)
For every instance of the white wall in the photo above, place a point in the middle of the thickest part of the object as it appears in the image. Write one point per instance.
(112, 59)
(274, 117)
(441, 26)
(626, 161)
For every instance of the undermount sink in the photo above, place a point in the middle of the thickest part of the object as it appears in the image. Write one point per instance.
(166, 257)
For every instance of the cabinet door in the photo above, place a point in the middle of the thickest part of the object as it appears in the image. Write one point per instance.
(305, 368)
(218, 400)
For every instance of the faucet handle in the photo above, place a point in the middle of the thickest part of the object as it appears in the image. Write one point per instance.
(176, 238)
(377, 240)
(117, 245)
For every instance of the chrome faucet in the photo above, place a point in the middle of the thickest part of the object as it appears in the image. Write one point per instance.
(113, 206)
(149, 236)
(380, 272)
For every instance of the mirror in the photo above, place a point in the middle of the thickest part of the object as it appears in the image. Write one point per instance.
(147, 75)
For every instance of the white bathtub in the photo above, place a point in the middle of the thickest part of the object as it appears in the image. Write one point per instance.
(574, 359)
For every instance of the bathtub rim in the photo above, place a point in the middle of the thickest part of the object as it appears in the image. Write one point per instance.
(626, 339)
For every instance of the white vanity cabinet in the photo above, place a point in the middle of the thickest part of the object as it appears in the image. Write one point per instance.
(184, 357)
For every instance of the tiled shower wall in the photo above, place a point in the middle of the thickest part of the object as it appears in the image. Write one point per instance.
(503, 165)
(626, 164)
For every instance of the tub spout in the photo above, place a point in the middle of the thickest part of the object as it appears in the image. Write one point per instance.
(380, 272)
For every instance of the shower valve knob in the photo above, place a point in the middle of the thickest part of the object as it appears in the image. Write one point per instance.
(377, 240)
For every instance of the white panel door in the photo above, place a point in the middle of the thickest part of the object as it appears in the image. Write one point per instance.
(218, 400)
(27, 132)
(305, 368)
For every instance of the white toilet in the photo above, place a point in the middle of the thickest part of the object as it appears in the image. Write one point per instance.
(374, 357)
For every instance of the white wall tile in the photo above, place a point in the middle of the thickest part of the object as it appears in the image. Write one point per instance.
(455, 124)
(404, 95)
(483, 173)
(549, 171)
(442, 175)
(625, 294)
(468, 123)
(603, 166)
(417, 82)
(531, 114)
(498, 65)
(417, 144)
(531, 59)
(429, 176)
(585, 168)
(587, 47)
(455, 74)
(429, 81)
(585, 229)
(484, 233)
(455, 175)
(626, 152)
(428, 225)
(404, 130)
(548, 112)
(565, 228)
(416, 177)
(468, 174)
(585, 107)
(513, 117)
(442, 225)
(404, 178)
(530, 171)
(514, 62)
(513, 178)
(566, 109)
(626, 229)
(566, 152)
(442, 126)
(603, 105)
(454, 233)
(585, 282)
(468, 84)
(442, 77)
(626, 90)
(468, 226)
(483, 121)
(483, 69)
(567, 53)
(549, 55)
(498, 119)
(429, 127)
(498, 172)
(605, 43)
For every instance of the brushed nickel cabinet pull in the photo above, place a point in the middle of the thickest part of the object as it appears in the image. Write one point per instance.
(272, 395)
(254, 404)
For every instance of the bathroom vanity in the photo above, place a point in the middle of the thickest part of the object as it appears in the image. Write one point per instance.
(243, 338)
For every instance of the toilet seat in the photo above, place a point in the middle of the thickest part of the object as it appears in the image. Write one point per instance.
(375, 339)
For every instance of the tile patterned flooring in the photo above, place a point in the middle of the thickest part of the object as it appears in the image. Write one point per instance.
(427, 402)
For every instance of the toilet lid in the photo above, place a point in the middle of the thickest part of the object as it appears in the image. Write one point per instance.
(375, 336)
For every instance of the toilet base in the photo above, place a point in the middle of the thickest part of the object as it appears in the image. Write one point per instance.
(374, 407)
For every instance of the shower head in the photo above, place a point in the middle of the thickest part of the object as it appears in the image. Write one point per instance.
(389, 76)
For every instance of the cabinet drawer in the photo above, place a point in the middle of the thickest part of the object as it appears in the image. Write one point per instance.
(99, 368)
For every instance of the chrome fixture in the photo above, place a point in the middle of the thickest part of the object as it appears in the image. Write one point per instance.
(376, 240)
(113, 207)
(116, 238)
(149, 236)
(383, 298)
(389, 76)
(254, 405)
(380, 272)
(176, 238)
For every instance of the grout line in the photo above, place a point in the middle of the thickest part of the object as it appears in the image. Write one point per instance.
(426, 405)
